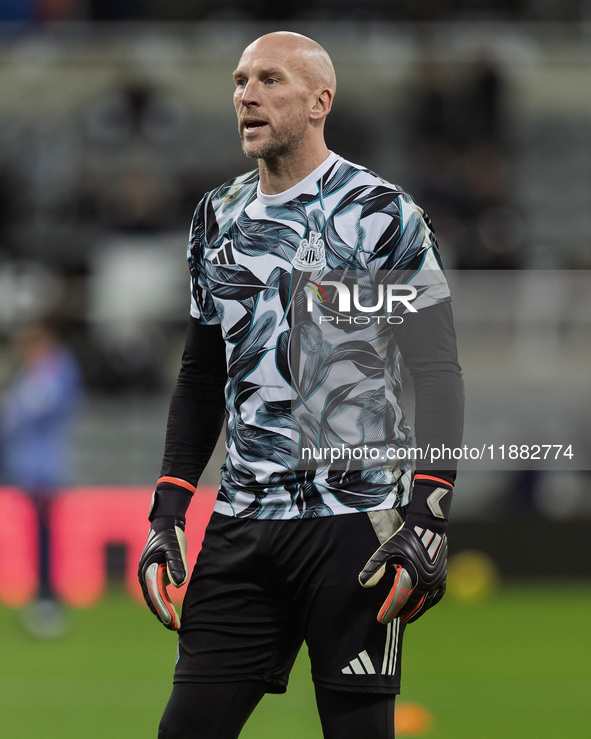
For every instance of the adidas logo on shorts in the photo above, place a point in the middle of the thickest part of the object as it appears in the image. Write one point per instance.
(362, 664)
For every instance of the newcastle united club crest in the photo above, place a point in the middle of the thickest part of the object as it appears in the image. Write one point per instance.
(310, 255)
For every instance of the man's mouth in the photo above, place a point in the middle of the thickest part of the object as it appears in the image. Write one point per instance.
(253, 125)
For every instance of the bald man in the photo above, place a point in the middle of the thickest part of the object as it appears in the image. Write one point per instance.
(319, 496)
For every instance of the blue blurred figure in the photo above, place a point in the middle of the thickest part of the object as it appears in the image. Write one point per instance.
(37, 414)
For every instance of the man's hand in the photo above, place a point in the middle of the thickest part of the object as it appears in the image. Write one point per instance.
(419, 582)
(163, 562)
(417, 552)
(164, 559)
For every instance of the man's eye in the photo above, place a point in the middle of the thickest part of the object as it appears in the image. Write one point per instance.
(271, 81)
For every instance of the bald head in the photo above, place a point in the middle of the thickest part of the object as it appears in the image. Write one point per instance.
(303, 53)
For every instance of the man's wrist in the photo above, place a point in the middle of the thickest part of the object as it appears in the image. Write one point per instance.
(171, 498)
(431, 502)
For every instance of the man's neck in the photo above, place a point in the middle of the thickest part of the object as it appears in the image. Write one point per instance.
(279, 174)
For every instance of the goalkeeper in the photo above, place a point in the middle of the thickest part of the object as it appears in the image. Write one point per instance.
(340, 556)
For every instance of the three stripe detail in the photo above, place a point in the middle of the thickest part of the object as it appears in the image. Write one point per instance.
(362, 664)
(430, 541)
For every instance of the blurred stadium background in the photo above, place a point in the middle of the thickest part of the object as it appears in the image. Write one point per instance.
(115, 117)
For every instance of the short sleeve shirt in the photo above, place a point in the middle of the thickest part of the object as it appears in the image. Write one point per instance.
(270, 269)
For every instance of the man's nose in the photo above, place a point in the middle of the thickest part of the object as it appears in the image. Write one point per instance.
(249, 94)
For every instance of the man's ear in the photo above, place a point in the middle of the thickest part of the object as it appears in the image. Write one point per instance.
(322, 104)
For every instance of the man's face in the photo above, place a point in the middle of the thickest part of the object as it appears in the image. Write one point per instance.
(273, 98)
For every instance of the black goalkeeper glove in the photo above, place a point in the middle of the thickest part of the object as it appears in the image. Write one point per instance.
(417, 552)
(164, 559)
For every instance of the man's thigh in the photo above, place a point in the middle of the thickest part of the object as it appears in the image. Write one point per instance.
(238, 622)
(349, 649)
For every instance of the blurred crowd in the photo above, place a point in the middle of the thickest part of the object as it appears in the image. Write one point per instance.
(462, 144)
(189, 10)
(66, 194)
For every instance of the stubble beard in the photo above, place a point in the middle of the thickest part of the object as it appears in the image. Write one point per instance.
(267, 151)
(278, 145)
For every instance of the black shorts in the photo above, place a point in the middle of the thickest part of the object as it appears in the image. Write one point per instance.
(262, 587)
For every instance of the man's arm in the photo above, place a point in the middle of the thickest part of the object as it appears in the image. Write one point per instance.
(427, 342)
(418, 550)
(195, 419)
(197, 406)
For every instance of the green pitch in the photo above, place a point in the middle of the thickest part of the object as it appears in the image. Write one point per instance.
(515, 666)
